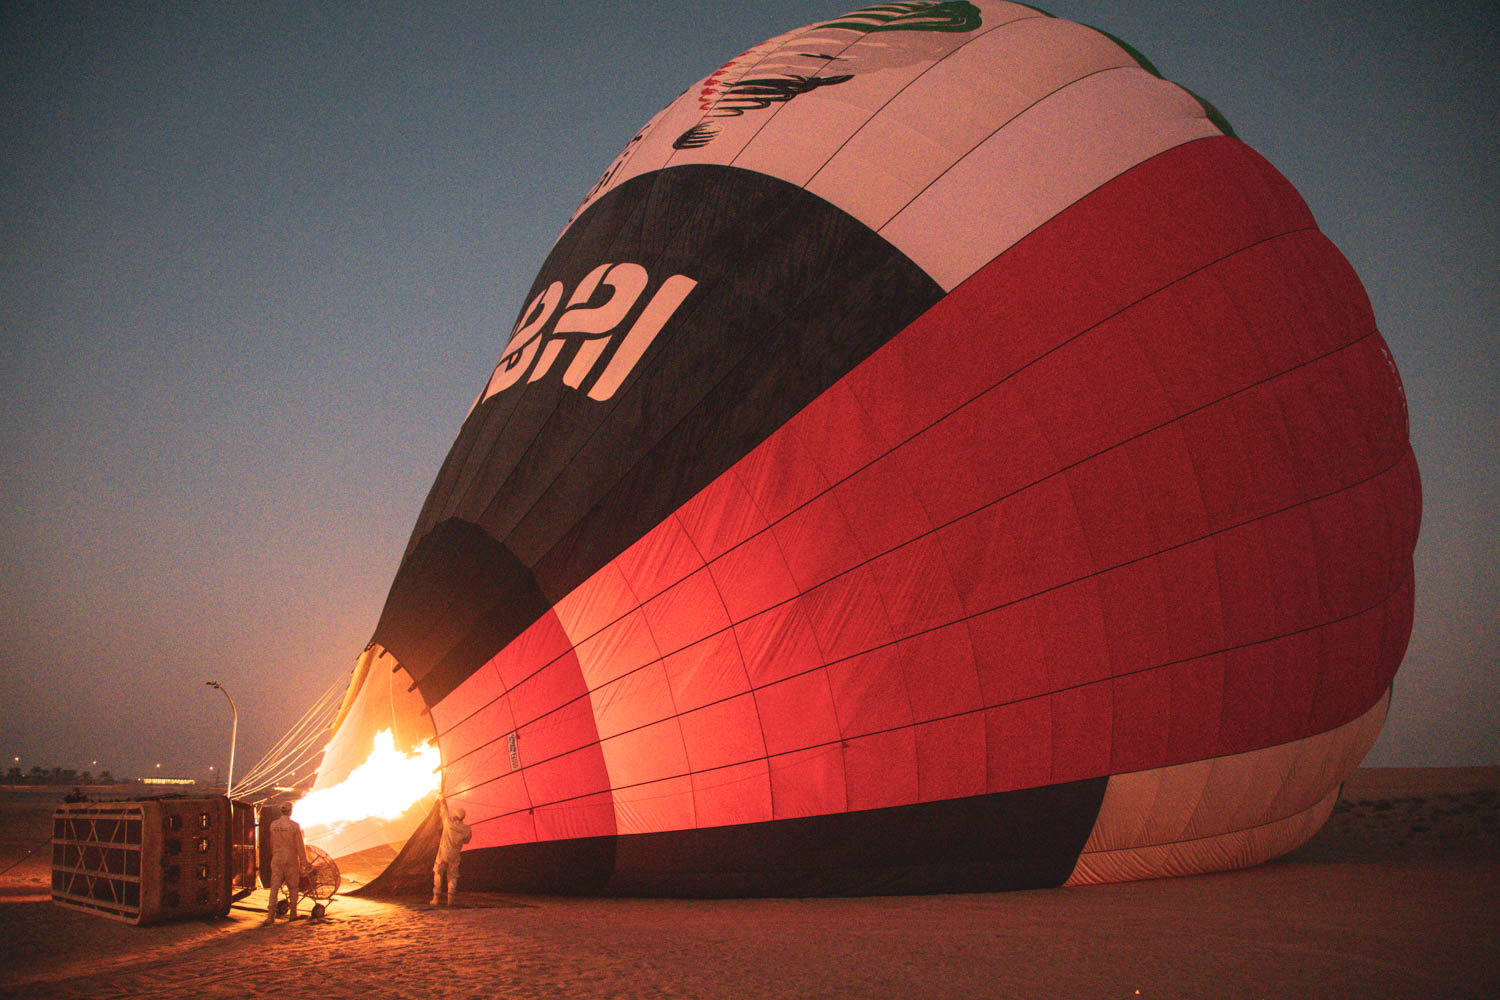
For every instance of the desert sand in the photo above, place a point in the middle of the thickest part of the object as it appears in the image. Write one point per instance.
(1396, 897)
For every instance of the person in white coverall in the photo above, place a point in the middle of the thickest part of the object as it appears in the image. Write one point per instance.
(456, 834)
(288, 855)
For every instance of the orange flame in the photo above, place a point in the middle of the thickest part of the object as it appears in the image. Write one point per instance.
(386, 785)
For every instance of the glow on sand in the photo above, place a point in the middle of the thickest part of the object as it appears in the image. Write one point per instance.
(383, 787)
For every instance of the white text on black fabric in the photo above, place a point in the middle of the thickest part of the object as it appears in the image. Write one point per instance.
(533, 347)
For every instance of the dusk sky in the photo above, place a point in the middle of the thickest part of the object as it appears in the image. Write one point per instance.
(257, 260)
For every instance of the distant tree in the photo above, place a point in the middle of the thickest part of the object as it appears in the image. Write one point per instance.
(105, 778)
(37, 775)
(86, 778)
(14, 776)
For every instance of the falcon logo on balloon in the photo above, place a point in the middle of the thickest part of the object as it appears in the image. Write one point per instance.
(754, 95)
(700, 134)
(759, 94)
(776, 82)
(591, 327)
(910, 17)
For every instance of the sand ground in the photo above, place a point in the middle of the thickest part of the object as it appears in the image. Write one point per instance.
(1396, 897)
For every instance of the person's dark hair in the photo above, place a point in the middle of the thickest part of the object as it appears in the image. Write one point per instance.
(286, 809)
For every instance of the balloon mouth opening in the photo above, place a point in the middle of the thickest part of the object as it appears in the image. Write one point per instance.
(380, 774)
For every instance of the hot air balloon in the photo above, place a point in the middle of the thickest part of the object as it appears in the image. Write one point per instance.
(937, 455)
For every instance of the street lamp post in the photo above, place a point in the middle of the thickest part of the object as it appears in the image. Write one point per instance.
(234, 732)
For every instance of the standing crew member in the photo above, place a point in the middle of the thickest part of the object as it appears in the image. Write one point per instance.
(456, 834)
(288, 855)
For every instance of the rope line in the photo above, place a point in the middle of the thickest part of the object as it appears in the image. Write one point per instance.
(298, 751)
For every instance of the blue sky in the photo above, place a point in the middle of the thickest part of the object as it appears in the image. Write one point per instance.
(256, 259)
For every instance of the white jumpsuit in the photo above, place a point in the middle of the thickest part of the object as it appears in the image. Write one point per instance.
(456, 834)
(287, 853)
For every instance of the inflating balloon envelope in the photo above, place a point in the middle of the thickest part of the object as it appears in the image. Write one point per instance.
(937, 455)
